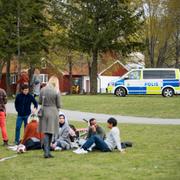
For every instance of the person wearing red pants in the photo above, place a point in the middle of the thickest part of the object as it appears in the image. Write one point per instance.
(3, 101)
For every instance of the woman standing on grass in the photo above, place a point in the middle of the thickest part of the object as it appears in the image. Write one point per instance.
(49, 122)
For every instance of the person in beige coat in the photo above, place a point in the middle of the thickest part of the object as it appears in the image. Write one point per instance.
(49, 122)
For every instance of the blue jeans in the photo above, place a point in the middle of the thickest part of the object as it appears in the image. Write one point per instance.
(19, 121)
(100, 144)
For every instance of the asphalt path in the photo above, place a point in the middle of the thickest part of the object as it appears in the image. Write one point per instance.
(79, 116)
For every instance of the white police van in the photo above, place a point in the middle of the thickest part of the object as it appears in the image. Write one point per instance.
(163, 81)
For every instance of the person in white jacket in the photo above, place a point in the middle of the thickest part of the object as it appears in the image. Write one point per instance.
(109, 144)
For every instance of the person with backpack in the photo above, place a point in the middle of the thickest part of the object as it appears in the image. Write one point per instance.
(111, 141)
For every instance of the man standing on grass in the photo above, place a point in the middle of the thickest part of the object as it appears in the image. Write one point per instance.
(3, 101)
(23, 103)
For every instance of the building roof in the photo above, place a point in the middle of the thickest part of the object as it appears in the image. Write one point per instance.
(105, 70)
(113, 68)
(80, 69)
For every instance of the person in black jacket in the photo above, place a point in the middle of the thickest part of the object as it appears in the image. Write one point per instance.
(23, 103)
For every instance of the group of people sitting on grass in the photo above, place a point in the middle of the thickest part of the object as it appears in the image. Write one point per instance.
(50, 130)
(96, 138)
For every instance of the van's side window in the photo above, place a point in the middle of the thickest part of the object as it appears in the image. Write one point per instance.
(149, 74)
(158, 74)
(134, 75)
(168, 74)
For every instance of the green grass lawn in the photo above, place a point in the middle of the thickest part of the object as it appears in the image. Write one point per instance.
(145, 106)
(155, 155)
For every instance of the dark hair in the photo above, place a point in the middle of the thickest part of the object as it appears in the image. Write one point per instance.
(92, 119)
(112, 121)
(24, 86)
(62, 115)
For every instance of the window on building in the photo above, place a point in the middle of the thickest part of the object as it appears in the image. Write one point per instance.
(13, 78)
(44, 78)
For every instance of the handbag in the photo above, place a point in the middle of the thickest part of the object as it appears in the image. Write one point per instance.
(40, 112)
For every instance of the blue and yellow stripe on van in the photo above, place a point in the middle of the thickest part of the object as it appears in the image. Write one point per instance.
(144, 90)
(152, 89)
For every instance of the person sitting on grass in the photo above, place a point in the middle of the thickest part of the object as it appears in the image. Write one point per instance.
(32, 138)
(95, 129)
(111, 141)
(62, 140)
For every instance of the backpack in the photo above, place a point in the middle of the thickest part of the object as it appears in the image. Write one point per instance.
(126, 144)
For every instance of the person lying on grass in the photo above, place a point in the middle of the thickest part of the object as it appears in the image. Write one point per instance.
(111, 141)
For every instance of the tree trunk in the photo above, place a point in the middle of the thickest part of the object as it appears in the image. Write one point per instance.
(1, 68)
(8, 88)
(18, 41)
(89, 68)
(31, 72)
(70, 73)
(151, 46)
(93, 77)
(177, 42)
(161, 56)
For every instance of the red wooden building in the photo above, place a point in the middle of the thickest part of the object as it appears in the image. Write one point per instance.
(80, 76)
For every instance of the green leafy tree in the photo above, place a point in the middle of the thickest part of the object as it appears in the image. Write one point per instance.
(161, 29)
(96, 26)
(173, 11)
(22, 31)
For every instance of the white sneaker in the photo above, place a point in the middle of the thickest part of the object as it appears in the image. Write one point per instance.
(13, 148)
(80, 151)
(74, 145)
(77, 150)
(58, 148)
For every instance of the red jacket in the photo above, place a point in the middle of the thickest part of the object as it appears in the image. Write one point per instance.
(32, 131)
(24, 79)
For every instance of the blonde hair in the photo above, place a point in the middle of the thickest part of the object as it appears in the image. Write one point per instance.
(54, 82)
(33, 117)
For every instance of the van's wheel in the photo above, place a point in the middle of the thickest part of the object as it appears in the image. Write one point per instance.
(168, 92)
(120, 92)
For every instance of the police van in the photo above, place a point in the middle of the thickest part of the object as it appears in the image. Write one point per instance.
(163, 81)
